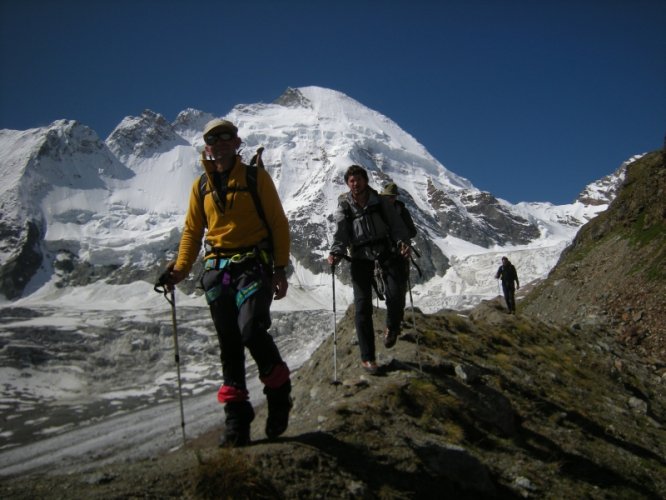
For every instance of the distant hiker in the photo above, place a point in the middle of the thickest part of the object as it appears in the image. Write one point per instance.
(391, 191)
(246, 251)
(507, 273)
(372, 230)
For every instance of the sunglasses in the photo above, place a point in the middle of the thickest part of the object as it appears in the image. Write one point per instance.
(211, 139)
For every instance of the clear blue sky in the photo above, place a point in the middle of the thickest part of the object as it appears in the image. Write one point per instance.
(528, 99)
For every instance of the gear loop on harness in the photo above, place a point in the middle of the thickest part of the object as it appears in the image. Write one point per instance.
(229, 269)
(220, 263)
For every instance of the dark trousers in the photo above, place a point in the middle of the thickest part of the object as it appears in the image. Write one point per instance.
(395, 284)
(244, 326)
(509, 296)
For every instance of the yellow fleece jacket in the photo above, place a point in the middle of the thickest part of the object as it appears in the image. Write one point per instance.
(240, 226)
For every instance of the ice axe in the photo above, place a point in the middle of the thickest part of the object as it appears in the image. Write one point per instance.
(169, 294)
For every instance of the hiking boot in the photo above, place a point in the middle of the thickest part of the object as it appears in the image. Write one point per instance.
(370, 367)
(390, 338)
(236, 439)
(239, 416)
(279, 406)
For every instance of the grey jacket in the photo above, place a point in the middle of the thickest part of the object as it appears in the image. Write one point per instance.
(367, 232)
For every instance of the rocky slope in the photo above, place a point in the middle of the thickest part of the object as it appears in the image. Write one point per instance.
(477, 405)
(614, 273)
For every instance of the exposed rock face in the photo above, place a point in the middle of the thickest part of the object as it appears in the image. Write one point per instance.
(614, 273)
(605, 189)
(65, 155)
(143, 135)
(17, 271)
(191, 120)
(293, 98)
(479, 217)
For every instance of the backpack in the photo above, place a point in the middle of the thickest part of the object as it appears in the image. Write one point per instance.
(406, 219)
(250, 180)
(404, 214)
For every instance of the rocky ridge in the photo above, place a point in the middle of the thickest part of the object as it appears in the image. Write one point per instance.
(474, 405)
(614, 274)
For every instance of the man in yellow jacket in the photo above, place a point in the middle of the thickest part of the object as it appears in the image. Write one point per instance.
(246, 251)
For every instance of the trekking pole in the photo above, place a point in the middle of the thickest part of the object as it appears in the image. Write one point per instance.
(416, 333)
(161, 287)
(335, 333)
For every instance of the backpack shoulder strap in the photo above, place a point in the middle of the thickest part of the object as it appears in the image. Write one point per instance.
(382, 206)
(407, 219)
(251, 179)
(346, 208)
(203, 186)
(203, 190)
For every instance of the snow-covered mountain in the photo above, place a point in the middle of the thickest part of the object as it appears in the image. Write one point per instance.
(86, 226)
(77, 210)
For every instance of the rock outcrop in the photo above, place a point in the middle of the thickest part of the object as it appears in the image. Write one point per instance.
(614, 273)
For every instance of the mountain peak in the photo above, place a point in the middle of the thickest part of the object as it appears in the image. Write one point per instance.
(189, 124)
(603, 191)
(293, 98)
(64, 138)
(143, 136)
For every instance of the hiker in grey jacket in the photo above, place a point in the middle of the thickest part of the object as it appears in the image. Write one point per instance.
(372, 231)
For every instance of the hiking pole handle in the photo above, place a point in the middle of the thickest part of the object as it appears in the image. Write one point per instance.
(162, 286)
(162, 281)
(341, 256)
